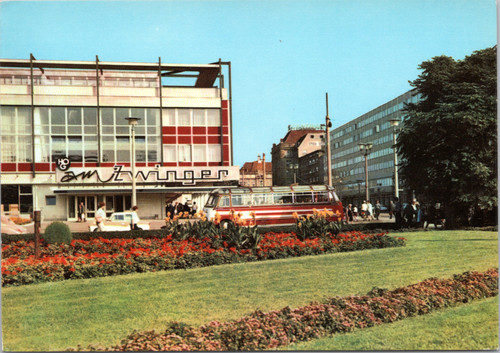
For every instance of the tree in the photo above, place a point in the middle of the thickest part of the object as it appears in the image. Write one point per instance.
(448, 144)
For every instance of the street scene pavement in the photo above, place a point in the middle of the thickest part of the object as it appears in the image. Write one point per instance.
(77, 227)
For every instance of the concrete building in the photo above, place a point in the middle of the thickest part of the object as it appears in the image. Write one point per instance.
(348, 165)
(257, 173)
(312, 168)
(65, 139)
(298, 142)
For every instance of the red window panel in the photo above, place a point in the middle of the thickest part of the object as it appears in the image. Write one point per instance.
(185, 164)
(225, 148)
(225, 130)
(76, 165)
(199, 130)
(200, 164)
(199, 140)
(226, 139)
(168, 130)
(225, 104)
(225, 119)
(169, 140)
(140, 164)
(213, 130)
(107, 164)
(90, 164)
(23, 167)
(213, 164)
(152, 164)
(213, 139)
(9, 167)
(184, 130)
(169, 164)
(184, 140)
(43, 167)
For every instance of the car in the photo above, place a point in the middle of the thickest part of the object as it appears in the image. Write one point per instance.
(119, 221)
(9, 227)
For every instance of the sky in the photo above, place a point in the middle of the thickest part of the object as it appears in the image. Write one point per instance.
(285, 55)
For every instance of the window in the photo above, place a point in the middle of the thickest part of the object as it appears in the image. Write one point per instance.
(170, 153)
(199, 153)
(184, 153)
(184, 117)
(213, 117)
(50, 200)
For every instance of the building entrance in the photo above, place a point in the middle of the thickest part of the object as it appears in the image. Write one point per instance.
(114, 203)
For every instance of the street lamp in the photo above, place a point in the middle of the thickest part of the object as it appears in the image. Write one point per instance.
(328, 125)
(132, 122)
(394, 124)
(365, 149)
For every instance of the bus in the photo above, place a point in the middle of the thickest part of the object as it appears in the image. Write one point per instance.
(275, 205)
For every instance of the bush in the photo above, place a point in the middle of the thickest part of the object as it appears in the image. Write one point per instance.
(57, 232)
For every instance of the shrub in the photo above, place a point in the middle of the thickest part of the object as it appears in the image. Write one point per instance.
(57, 232)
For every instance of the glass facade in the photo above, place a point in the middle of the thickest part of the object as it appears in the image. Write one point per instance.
(15, 131)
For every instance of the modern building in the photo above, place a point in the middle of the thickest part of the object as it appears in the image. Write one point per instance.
(65, 138)
(257, 173)
(298, 142)
(348, 161)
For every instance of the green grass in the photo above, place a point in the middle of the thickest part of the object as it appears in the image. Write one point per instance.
(467, 327)
(54, 316)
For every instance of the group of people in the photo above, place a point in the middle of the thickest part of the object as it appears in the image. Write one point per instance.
(367, 211)
(178, 208)
(412, 214)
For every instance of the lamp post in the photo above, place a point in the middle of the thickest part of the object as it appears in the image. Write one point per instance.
(132, 122)
(394, 124)
(365, 149)
(328, 125)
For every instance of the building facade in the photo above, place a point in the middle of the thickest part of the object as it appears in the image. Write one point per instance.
(348, 164)
(65, 139)
(298, 142)
(257, 173)
(312, 168)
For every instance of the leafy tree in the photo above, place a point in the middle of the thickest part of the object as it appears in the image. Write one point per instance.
(448, 144)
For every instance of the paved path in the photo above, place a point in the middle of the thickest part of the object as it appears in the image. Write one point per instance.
(158, 223)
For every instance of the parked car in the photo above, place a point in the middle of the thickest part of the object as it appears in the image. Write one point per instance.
(9, 227)
(119, 221)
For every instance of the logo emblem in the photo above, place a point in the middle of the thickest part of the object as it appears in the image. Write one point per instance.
(63, 163)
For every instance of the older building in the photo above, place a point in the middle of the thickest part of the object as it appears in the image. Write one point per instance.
(66, 139)
(312, 168)
(257, 173)
(299, 141)
(371, 129)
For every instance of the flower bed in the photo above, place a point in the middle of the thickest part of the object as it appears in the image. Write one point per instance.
(265, 331)
(106, 257)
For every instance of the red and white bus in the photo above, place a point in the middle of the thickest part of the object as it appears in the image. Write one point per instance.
(272, 205)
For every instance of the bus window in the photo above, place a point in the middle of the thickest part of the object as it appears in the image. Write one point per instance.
(321, 196)
(236, 200)
(303, 197)
(224, 201)
(283, 198)
(259, 199)
(212, 201)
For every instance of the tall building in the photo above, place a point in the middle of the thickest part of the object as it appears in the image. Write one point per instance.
(257, 173)
(312, 168)
(66, 139)
(298, 142)
(348, 164)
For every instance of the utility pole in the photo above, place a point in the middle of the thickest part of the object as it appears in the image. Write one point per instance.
(328, 152)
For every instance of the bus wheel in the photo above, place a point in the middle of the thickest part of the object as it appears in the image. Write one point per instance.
(224, 224)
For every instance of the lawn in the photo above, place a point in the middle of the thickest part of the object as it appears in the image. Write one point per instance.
(54, 316)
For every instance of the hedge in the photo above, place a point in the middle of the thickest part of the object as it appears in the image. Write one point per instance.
(265, 331)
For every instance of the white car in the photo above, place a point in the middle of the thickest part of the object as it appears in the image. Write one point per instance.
(119, 221)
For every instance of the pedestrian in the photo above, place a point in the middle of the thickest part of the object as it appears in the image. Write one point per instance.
(369, 210)
(135, 219)
(81, 212)
(377, 209)
(187, 208)
(350, 215)
(410, 212)
(100, 216)
(179, 209)
(392, 208)
(364, 209)
(355, 213)
(194, 209)
(397, 212)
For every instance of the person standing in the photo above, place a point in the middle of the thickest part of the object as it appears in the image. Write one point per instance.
(350, 215)
(364, 209)
(135, 219)
(397, 212)
(369, 210)
(194, 209)
(377, 209)
(100, 216)
(355, 213)
(81, 212)
(392, 208)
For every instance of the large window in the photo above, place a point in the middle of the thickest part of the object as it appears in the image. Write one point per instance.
(21, 195)
(192, 153)
(191, 117)
(15, 129)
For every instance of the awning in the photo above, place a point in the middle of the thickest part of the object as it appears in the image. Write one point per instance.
(159, 190)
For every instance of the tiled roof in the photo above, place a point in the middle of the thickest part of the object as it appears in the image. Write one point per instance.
(253, 167)
(293, 136)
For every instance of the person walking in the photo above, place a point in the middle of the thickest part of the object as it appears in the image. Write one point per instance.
(364, 209)
(100, 216)
(81, 212)
(377, 209)
(392, 208)
(369, 210)
(350, 215)
(135, 219)
(355, 213)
